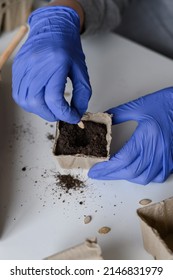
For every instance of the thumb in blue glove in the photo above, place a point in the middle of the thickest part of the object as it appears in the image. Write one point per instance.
(148, 155)
(52, 53)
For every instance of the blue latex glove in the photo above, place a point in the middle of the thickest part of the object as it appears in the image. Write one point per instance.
(52, 53)
(148, 155)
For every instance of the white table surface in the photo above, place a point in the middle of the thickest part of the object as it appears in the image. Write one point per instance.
(34, 222)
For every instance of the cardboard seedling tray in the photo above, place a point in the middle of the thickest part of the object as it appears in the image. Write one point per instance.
(156, 222)
(69, 161)
(88, 250)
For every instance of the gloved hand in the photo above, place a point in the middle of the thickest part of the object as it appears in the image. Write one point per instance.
(52, 53)
(148, 155)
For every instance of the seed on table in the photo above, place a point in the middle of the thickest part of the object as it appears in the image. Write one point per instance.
(87, 219)
(104, 230)
(145, 201)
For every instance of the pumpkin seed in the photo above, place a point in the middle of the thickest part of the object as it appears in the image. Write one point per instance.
(104, 230)
(81, 125)
(145, 201)
(87, 219)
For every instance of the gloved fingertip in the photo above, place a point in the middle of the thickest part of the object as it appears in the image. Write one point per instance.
(97, 171)
(80, 100)
(91, 174)
(74, 118)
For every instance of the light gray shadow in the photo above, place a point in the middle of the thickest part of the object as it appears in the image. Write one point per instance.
(7, 116)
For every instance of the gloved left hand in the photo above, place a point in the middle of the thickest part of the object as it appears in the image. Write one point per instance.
(52, 52)
(148, 155)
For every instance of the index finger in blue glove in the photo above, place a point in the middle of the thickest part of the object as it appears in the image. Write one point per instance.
(55, 100)
(44, 94)
(154, 105)
(81, 87)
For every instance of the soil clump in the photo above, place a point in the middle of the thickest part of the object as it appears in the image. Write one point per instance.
(69, 181)
(90, 141)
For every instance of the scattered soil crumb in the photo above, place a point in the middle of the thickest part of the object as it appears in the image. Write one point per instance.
(145, 201)
(104, 230)
(87, 219)
(19, 131)
(50, 136)
(81, 202)
(68, 181)
(24, 168)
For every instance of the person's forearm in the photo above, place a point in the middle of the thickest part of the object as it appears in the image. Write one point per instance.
(72, 4)
(102, 15)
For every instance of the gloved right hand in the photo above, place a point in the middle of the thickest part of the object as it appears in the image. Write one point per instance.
(52, 53)
(148, 155)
